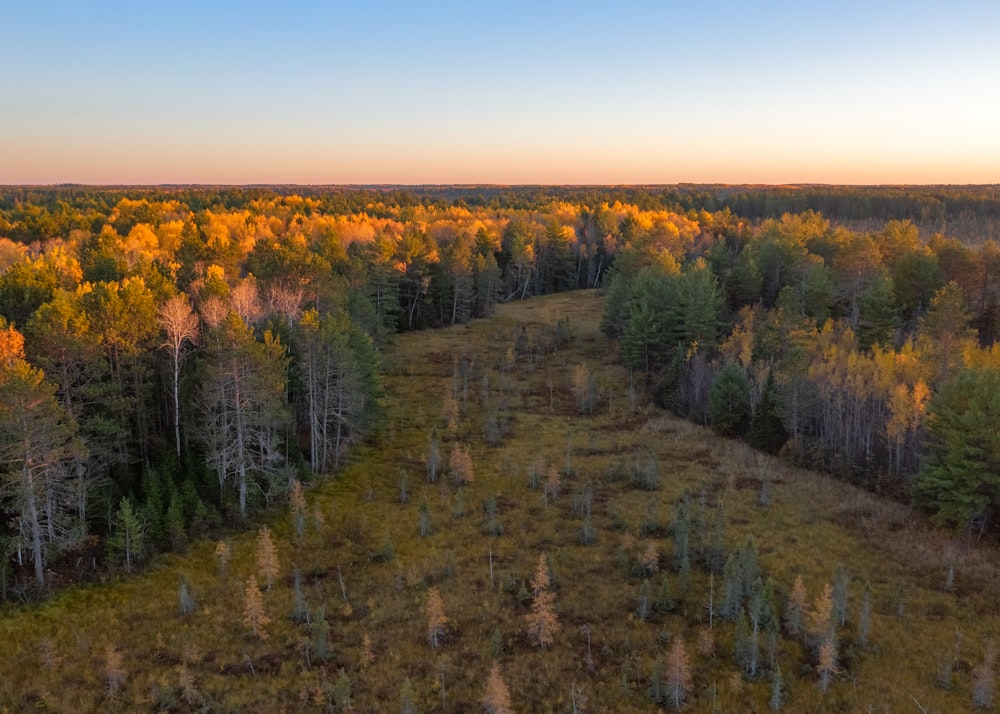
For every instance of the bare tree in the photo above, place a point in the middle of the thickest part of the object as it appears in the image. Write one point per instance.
(38, 449)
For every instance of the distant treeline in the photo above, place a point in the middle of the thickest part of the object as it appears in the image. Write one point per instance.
(969, 213)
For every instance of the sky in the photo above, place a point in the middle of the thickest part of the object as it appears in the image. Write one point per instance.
(384, 92)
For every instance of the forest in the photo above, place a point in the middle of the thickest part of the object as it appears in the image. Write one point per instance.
(179, 363)
(176, 358)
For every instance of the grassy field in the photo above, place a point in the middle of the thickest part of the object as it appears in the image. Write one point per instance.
(348, 613)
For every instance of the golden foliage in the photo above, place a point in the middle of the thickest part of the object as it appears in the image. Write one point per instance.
(496, 698)
(254, 616)
(267, 556)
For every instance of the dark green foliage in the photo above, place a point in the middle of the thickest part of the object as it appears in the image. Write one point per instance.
(127, 541)
(729, 402)
(879, 315)
(342, 690)
(960, 479)
(767, 431)
(406, 703)
(386, 550)
(492, 525)
(664, 601)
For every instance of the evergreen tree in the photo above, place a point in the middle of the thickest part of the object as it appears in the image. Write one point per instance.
(767, 431)
(729, 402)
(960, 478)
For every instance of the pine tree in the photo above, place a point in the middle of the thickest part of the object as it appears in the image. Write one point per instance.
(254, 616)
(664, 601)
(320, 630)
(406, 703)
(436, 619)
(767, 431)
(342, 691)
(267, 556)
(128, 540)
(729, 402)
(496, 698)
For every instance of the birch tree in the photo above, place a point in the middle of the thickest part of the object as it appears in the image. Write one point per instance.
(38, 448)
(244, 409)
(337, 367)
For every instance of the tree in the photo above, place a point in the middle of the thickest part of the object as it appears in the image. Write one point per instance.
(180, 323)
(541, 620)
(436, 619)
(338, 366)
(827, 666)
(128, 539)
(678, 674)
(254, 616)
(243, 407)
(496, 698)
(944, 333)
(460, 465)
(820, 627)
(729, 402)
(267, 556)
(795, 611)
(38, 450)
(767, 432)
(960, 478)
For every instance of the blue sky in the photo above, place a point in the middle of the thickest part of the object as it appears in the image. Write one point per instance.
(543, 92)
